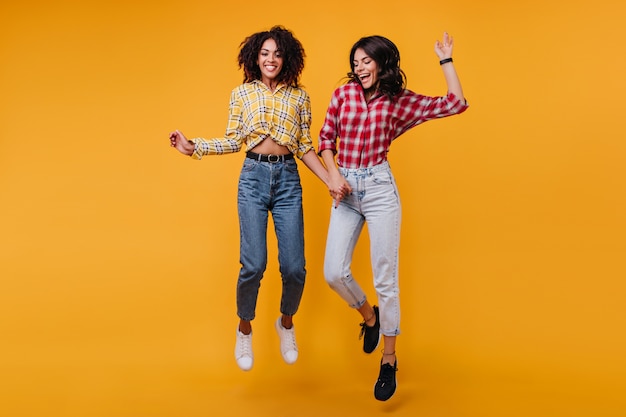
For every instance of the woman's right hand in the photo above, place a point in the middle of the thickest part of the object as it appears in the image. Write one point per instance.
(180, 142)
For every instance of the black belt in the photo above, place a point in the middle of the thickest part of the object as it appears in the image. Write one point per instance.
(269, 158)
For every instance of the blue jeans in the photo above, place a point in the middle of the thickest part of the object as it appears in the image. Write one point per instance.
(374, 200)
(266, 187)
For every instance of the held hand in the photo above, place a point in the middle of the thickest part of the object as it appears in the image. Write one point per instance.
(339, 188)
(180, 142)
(337, 197)
(444, 50)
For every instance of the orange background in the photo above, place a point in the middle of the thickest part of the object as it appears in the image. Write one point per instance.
(118, 256)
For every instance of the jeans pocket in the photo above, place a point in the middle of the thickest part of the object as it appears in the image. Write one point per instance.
(382, 178)
(248, 165)
(291, 166)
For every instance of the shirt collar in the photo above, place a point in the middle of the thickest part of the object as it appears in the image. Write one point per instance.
(359, 87)
(260, 84)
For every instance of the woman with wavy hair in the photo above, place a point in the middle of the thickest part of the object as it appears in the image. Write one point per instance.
(269, 116)
(364, 116)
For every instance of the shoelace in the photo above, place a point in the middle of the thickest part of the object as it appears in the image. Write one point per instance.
(386, 374)
(246, 346)
(363, 328)
(291, 340)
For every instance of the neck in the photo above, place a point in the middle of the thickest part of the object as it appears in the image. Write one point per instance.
(271, 84)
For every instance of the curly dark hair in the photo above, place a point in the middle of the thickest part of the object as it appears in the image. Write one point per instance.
(290, 48)
(391, 79)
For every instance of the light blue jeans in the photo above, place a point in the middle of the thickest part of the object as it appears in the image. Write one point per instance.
(374, 200)
(266, 187)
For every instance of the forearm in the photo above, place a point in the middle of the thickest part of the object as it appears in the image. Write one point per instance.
(336, 180)
(312, 162)
(216, 146)
(328, 156)
(452, 80)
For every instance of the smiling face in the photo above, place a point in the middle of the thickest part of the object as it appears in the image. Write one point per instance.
(365, 69)
(270, 62)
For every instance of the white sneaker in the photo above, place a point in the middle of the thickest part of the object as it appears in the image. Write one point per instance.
(288, 346)
(243, 351)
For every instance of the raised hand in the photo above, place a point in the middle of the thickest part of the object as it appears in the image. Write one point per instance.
(444, 50)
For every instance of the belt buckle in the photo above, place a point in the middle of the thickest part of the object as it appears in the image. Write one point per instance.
(273, 158)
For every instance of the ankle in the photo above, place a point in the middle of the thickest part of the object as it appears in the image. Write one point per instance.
(389, 358)
(286, 322)
(245, 327)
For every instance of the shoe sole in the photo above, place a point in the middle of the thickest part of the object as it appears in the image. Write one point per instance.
(385, 399)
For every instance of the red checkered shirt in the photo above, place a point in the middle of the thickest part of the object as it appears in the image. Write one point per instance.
(365, 130)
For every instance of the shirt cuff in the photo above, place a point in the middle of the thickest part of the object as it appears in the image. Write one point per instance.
(323, 146)
(302, 150)
(196, 151)
(457, 102)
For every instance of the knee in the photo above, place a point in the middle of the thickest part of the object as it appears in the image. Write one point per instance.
(294, 274)
(333, 277)
(252, 272)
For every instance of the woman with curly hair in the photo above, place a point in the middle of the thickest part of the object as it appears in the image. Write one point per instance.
(269, 115)
(364, 116)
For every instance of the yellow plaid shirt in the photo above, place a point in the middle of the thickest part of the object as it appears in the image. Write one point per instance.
(257, 113)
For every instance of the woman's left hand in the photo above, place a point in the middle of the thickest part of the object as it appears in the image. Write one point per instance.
(444, 50)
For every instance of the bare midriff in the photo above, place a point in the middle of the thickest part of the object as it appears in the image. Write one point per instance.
(269, 147)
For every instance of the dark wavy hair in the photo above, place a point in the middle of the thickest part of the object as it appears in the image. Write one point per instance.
(290, 48)
(391, 79)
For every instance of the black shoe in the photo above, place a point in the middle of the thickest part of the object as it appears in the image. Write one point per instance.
(386, 384)
(372, 334)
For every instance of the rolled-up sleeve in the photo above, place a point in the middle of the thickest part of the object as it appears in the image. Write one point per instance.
(233, 138)
(413, 109)
(328, 133)
(305, 142)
